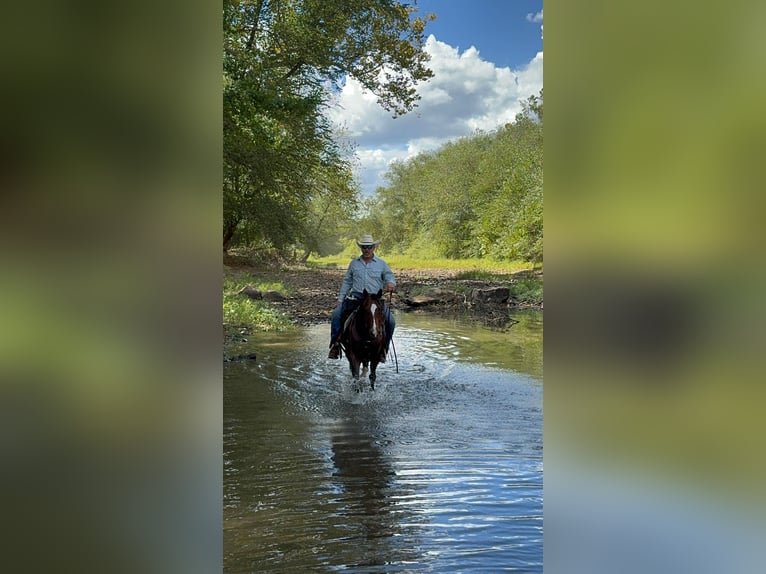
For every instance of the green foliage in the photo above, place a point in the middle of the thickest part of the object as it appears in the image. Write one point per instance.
(479, 196)
(527, 290)
(241, 311)
(327, 220)
(286, 180)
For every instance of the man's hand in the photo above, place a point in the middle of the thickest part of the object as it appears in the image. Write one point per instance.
(390, 287)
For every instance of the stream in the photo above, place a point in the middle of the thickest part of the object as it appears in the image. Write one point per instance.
(439, 469)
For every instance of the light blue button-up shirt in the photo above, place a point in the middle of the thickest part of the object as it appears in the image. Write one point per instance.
(372, 276)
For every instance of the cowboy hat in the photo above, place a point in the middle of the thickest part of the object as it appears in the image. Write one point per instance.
(367, 240)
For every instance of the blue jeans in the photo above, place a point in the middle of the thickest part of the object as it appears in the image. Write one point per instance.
(349, 305)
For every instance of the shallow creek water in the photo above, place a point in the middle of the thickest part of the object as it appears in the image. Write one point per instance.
(439, 469)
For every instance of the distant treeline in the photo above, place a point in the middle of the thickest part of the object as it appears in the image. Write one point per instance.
(480, 196)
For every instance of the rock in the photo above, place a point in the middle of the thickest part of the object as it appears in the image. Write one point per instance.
(273, 296)
(251, 292)
(491, 296)
(433, 296)
(421, 301)
(244, 357)
(444, 294)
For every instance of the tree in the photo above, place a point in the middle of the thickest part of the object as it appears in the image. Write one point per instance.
(327, 218)
(282, 61)
(479, 196)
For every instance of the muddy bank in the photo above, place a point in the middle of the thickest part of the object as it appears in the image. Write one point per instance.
(312, 293)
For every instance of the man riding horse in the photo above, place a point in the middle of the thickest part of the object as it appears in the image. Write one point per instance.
(365, 272)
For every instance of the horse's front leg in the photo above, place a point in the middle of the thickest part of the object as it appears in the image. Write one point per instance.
(353, 364)
(373, 375)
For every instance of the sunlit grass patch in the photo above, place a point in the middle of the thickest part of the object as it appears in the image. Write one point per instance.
(483, 268)
(241, 311)
(478, 266)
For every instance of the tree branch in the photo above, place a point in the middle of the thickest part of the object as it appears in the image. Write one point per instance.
(295, 67)
(254, 30)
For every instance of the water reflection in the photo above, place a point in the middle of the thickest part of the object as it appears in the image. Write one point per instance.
(368, 492)
(364, 475)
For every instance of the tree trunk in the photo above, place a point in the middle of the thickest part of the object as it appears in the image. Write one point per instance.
(228, 235)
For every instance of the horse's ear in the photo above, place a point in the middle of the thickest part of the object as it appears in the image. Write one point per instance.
(365, 293)
(380, 294)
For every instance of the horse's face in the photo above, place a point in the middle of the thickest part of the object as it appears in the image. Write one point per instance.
(371, 311)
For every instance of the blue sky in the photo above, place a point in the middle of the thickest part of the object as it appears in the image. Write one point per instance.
(498, 29)
(487, 58)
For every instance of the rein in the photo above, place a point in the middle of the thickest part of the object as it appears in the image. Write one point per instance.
(393, 348)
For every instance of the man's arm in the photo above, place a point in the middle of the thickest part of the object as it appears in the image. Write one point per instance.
(348, 282)
(388, 278)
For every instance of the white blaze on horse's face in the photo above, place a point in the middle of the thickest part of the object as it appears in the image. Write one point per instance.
(373, 308)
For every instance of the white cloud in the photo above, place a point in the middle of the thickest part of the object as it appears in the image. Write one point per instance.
(538, 19)
(466, 94)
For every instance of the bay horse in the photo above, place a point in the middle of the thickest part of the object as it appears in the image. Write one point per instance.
(364, 340)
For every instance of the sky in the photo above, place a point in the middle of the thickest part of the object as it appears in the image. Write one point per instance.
(487, 58)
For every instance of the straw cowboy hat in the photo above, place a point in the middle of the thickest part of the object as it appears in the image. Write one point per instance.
(367, 240)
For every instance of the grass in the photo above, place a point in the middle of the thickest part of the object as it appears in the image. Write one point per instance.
(241, 311)
(479, 266)
(527, 290)
(409, 263)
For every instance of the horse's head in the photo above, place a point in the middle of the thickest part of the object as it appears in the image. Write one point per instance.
(371, 313)
(376, 296)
